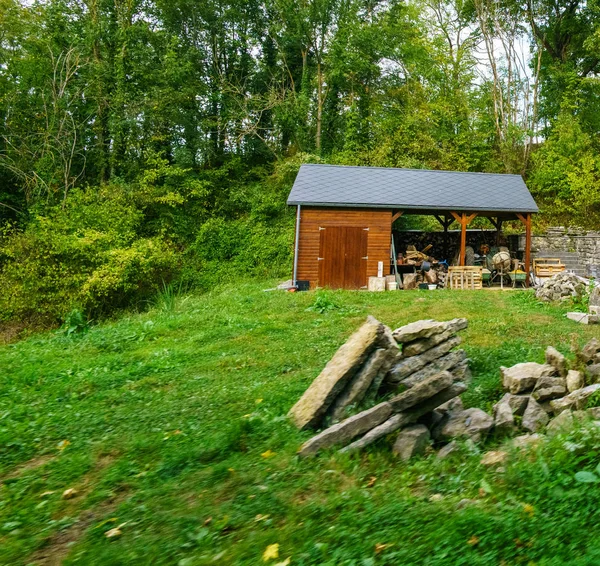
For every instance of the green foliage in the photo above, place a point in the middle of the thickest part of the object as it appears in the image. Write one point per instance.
(324, 302)
(75, 323)
(88, 255)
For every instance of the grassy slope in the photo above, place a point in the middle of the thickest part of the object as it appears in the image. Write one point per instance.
(168, 415)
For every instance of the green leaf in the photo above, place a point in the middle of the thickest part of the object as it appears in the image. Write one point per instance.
(587, 477)
(486, 486)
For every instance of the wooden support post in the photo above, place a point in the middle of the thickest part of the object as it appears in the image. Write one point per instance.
(464, 221)
(527, 221)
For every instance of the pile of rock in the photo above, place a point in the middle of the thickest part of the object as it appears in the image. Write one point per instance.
(415, 368)
(561, 286)
(540, 393)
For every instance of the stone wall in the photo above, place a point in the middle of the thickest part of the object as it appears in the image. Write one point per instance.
(585, 244)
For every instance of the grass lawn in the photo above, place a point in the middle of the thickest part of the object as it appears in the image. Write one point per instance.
(171, 427)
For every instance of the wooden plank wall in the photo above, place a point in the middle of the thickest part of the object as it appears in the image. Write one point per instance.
(378, 221)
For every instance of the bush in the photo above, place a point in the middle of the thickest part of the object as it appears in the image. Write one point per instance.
(87, 256)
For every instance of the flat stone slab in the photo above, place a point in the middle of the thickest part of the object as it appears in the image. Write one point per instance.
(408, 366)
(583, 317)
(348, 429)
(452, 362)
(575, 400)
(309, 411)
(422, 391)
(471, 423)
(523, 377)
(417, 330)
(359, 384)
(419, 346)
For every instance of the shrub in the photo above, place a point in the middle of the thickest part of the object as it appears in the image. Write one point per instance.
(87, 256)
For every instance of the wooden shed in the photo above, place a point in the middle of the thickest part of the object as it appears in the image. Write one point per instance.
(345, 214)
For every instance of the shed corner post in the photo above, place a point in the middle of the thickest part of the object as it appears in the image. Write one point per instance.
(296, 247)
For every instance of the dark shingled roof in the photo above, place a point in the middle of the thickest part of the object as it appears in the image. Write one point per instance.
(410, 189)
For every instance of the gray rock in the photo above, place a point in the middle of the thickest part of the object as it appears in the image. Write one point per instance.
(408, 366)
(394, 423)
(524, 376)
(462, 371)
(420, 346)
(472, 423)
(557, 360)
(445, 363)
(594, 413)
(421, 391)
(504, 420)
(574, 380)
(526, 441)
(534, 418)
(517, 403)
(309, 411)
(593, 371)
(548, 388)
(386, 340)
(345, 431)
(359, 384)
(452, 406)
(589, 350)
(445, 451)
(575, 400)
(373, 390)
(583, 317)
(412, 441)
(494, 458)
(565, 421)
(417, 330)
(408, 417)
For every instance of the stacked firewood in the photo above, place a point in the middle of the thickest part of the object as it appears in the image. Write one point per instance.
(397, 378)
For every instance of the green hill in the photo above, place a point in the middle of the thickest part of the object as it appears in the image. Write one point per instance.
(170, 426)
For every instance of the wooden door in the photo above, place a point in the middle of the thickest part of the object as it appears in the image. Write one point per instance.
(343, 257)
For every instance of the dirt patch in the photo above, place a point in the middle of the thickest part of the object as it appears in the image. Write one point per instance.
(58, 546)
(28, 466)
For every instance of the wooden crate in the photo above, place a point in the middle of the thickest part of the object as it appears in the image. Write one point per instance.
(465, 277)
(547, 266)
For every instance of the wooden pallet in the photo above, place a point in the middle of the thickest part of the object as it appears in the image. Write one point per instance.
(547, 266)
(465, 277)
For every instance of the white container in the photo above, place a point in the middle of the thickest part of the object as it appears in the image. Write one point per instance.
(392, 286)
(432, 287)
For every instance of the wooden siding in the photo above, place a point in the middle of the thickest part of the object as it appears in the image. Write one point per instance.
(379, 223)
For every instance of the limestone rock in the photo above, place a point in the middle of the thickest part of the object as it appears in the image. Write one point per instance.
(412, 441)
(348, 429)
(555, 359)
(371, 393)
(565, 421)
(548, 388)
(408, 417)
(593, 371)
(524, 376)
(526, 441)
(462, 372)
(418, 330)
(422, 391)
(419, 346)
(494, 458)
(589, 350)
(575, 400)
(473, 423)
(534, 418)
(309, 410)
(453, 406)
(390, 425)
(386, 340)
(445, 451)
(359, 384)
(447, 362)
(594, 412)
(574, 380)
(408, 366)
(504, 420)
(517, 403)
